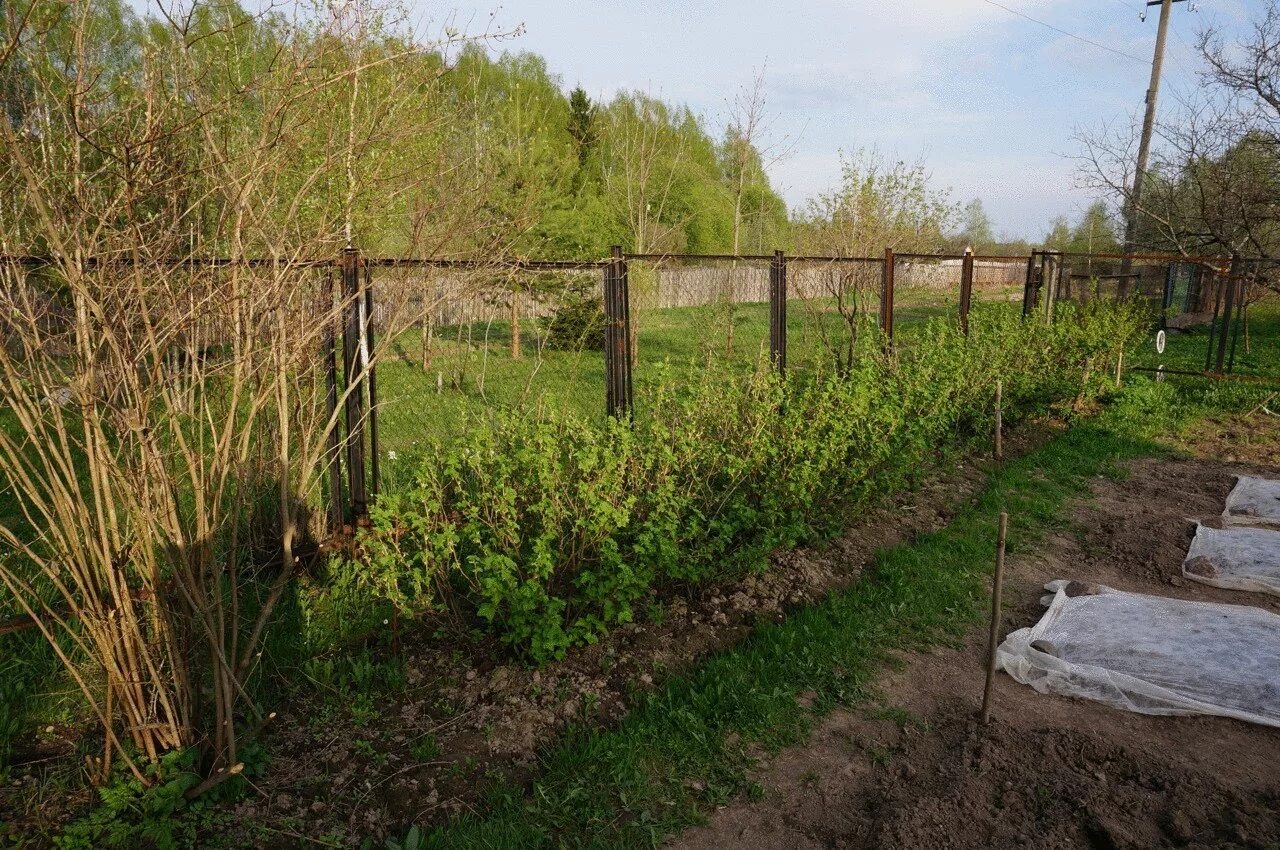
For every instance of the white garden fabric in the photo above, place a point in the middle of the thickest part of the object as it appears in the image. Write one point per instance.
(1150, 654)
(1253, 501)
(1237, 558)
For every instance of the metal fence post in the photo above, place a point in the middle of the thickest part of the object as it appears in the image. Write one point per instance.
(1213, 325)
(886, 297)
(1228, 303)
(1240, 293)
(371, 367)
(617, 337)
(778, 312)
(624, 295)
(1029, 288)
(353, 342)
(1050, 274)
(966, 289)
(329, 351)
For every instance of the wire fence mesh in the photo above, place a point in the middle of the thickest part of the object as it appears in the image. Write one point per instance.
(477, 341)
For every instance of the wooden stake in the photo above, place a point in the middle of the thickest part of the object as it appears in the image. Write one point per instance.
(997, 584)
(999, 420)
(1119, 367)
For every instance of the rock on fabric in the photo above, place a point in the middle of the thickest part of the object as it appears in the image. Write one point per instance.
(1150, 654)
(1235, 558)
(1253, 501)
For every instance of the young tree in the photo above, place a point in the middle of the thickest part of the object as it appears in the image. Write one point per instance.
(744, 170)
(1096, 233)
(976, 231)
(878, 204)
(1059, 236)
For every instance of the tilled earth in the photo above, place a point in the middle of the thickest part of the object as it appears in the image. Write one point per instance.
(918, 771)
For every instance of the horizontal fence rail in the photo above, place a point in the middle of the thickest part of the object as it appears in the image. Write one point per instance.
(528, 295)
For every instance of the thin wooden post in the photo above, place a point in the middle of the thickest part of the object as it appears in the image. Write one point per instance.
(611, 393)
(352, 347)
(617, 333)
(997, 586)
(886, 297)
(999, 450)
(1050, 270)
(778, 312)
(966, 289)
(628, 337)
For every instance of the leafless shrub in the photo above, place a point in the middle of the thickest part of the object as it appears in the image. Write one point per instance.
(171, 426)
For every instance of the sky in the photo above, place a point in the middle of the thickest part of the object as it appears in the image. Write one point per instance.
(989, 99)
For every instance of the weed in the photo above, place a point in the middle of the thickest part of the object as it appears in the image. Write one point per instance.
(425, 749)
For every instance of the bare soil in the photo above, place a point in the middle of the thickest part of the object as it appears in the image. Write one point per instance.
(918, 770)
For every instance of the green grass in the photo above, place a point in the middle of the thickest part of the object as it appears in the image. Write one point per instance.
(685, 749)
(1257, 356)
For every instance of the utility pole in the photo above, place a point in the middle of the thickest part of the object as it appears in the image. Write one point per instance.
(1148, 126)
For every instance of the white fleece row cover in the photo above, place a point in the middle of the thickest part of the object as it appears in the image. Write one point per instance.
(1253, 501)
(1151, 655)
(1237, 558)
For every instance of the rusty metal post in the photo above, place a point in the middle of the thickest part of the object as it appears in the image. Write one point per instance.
(617, 336)
(329, 351)
(628, 341)
(1228, 304)
(352, 349)
(886, 297)
(1029, 288)
(778, 312)
(371, 373)
(966, 289)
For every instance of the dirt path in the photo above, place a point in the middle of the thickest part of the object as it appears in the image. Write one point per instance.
(916, 771)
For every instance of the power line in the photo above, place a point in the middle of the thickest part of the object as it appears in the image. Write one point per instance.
(1139, 12)
(1064, 32)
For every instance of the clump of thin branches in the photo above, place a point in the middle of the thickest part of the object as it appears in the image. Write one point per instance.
(164, 427)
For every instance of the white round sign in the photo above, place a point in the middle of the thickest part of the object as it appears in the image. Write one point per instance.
(1160, 341)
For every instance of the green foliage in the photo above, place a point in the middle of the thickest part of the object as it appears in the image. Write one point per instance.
(551, 528)
(685, 747)
(158, 814)
(578, 322)
(879, 203)
(976, 231)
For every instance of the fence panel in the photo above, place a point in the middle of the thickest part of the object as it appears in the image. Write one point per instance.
(463, 343)
(704, 315)
(833, 308)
